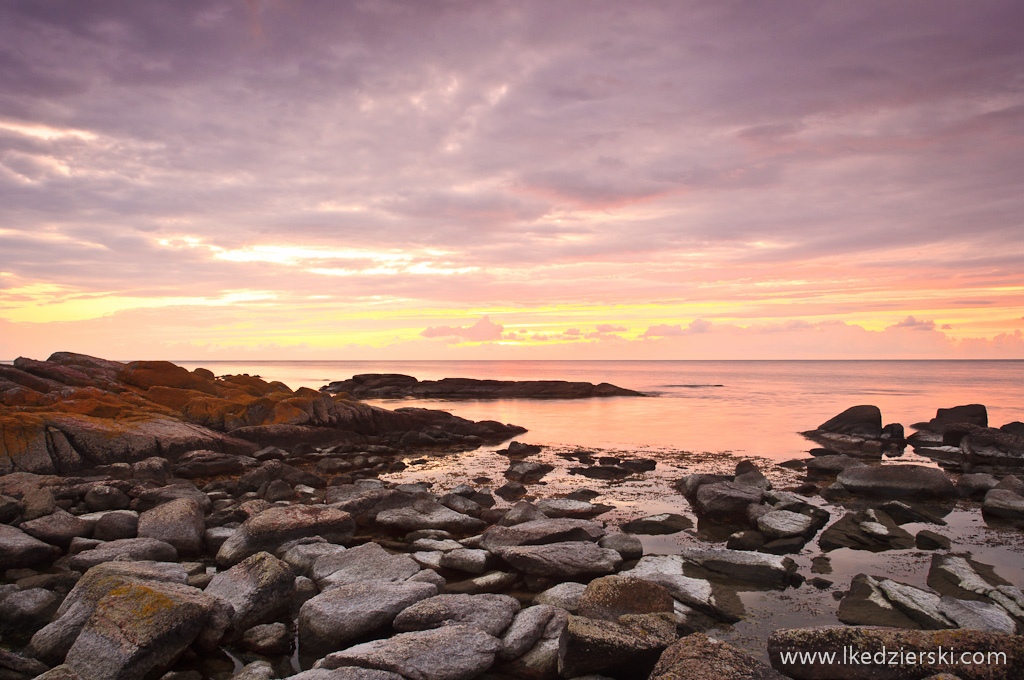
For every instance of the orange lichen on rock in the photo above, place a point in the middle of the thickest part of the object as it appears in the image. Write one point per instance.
(146, 374)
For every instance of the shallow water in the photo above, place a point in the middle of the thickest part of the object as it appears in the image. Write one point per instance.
(747, 407)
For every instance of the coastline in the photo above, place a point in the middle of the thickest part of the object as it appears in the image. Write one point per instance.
(432, 505)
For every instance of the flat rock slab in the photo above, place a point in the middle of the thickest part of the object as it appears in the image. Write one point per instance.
(610, 597)
(339, 615)
(19, 550)
(490, 613)
(784, 524)
(538, 532)
(428, 515)
(125, 548)
(897, 481)
(667, 523)
(769, 570)
(447, 653)
(276, 526)
(366, 562)
(561, 560)
(872, 645)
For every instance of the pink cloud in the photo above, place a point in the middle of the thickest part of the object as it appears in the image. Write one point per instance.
(482, 331)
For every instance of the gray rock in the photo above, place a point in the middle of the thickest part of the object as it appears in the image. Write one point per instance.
(725, 502)
(770, 570)
(784, 524)
(52, 643)
(1003, 504)
(611, 597)
(103, 497)
(116, 524)
(859, 421)
(521, 511)
(28, 610)
(902, 513)
(630, 547)
(366, 562)
(256, 670)
(19, 550)
(57, 528)
(302, 555)
(897, 481)
(347, 673)
(339, 615)
(134, 549)
(973, 615)
(668, 571)
(564, 560)
(179, 522)
(564, 596)
(567, 507)
(141, 626)
(446, 653)
(274, 527)
(975, 485)
(529, 627)
(869, 530)
(666, 523)
(268, 639)
(830, 466)
(490, 613)
(963, 578)
(884, 602)
(539, 532)
(491, 582)
(37, 502)
(259, 588)
(466, 560)
(428, 514)
(929, 540)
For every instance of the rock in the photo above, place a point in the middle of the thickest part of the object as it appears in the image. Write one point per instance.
(346, 673)
(539, 532)
(630, 547)
(102, 497)
(592, 646)
(610, 597)
(668, 571)
(901, 513)
(520, 512)
(511, 491)
(698, 657)
(859, 421)
(527, 472)
(960, 577)
(26, 611)
(135, 549)
(179, 522)
(428, 514)
(19, 550)
(52, 643)
(884, 602)
(528, 627)
(490, 613)
(470, 561)
(388, 386)
(830, 466)
(57, 528)
(140, 627)
(770, 570)
(897, 481)
(268, 639)
(868, 653)
(491, 582)
(929, 540)
(725, 502)
(1003, 504)
(869, 530)
(565, 560)
(689, 485)
(446, 653)
(276, 526)
(366, 562)
(259, 588)
(975, 485)
(302, 554)
(564, 596)
(340, 615)
(666, 523)
(116, 524)
(257, 670)
(566, 507)
(985, 449)
(203, 463)
(784, 524)
(974, 414)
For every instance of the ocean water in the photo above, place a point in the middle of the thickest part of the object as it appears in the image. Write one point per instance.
(749, 408)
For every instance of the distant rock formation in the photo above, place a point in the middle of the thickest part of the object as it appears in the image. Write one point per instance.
(74, 411)
(397, 386)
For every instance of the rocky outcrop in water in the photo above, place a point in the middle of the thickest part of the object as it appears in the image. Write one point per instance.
(74, 411)
(397, 386)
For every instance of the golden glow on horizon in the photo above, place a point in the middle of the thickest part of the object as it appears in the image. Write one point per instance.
(46, 132)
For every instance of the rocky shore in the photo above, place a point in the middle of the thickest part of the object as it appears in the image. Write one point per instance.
(397, 386)
(223, 549)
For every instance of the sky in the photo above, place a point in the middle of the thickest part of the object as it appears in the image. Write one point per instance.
(477, 179)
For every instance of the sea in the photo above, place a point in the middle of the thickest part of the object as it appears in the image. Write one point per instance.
(747, 408)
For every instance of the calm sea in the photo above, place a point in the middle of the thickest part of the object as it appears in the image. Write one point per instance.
(744, 407)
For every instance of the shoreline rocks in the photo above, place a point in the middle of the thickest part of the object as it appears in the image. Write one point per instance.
(396, 386)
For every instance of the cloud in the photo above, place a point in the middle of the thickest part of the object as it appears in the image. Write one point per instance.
(609, 328)
(665, 330)
(914, 324)
(483, 330)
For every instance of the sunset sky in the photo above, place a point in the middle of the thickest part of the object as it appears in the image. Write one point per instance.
(512, 179)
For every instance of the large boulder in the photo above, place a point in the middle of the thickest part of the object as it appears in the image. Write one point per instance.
(726, 502)
(490, 613)
(179, 522)
(340, 615)
(19, 550)
(142, 627)
(870, 530)
(428, 514)
(275, 526)
(366, 562)
(541, 531)
(125, 549)
(626, 649)
(259, 588)
(859, 421)
(610, 597)
(897, 481)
